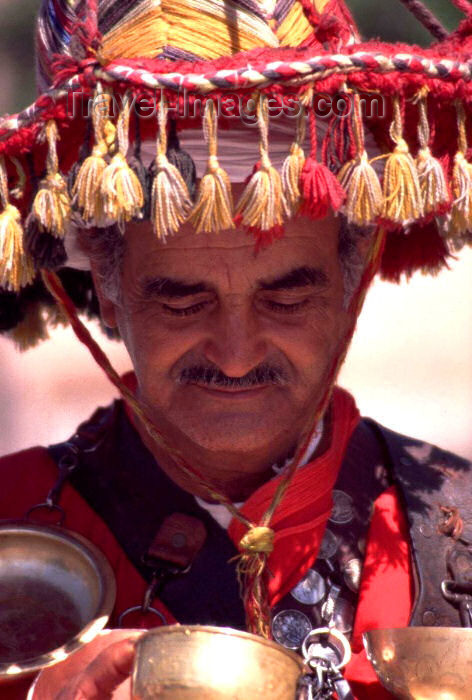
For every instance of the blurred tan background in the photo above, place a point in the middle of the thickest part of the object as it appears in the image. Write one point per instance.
(410, 363)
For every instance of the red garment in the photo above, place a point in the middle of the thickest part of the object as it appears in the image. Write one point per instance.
(386, 590)
(300, 520)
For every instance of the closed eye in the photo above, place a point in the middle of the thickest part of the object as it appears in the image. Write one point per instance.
(278, 307)
(185, 310)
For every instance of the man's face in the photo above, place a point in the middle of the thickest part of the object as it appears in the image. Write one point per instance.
(231, 348)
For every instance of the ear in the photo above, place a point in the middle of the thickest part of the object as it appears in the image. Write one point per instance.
(107, 307)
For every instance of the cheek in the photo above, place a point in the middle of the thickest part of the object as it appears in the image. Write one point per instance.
(154, 348)
(310, 346)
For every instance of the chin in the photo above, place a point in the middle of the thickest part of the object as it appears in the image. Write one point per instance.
(231, 434)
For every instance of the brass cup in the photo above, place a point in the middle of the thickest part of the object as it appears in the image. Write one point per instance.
(56, 593)
(419, 663)
(211, 663)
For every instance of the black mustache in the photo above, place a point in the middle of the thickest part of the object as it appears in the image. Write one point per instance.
(212, 376)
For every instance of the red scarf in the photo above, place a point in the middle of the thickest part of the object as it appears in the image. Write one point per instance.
(300, 520)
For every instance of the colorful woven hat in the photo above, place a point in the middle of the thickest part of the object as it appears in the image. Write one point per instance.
(179, 72)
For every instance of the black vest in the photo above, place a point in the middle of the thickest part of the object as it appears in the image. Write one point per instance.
(118, 478)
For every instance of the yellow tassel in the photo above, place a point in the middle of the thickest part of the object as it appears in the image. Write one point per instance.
(52, 206)
(213, 210)
(262, 205)
(433, 185)
(293, 166)
(459, 223)
(364, 200)
(461, 212)
(122, 193)
(401, 187)
(16, 267)
(87, 189)
(258, 540)
(434, 191)
(170, 199)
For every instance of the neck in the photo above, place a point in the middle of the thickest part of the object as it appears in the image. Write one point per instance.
(237, 479)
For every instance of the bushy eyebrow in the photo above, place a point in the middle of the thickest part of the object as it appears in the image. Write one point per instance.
(298, 277)
(173, 288)
(170, 288)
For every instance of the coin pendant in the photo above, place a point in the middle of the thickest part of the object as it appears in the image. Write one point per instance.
(343, 511)
(290, 627)
(311, 589)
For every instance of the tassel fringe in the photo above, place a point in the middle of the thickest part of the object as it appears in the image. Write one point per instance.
(213, 209)
(16, 266)
(320, 189)
(364, 201)
(52, 205)
(170, 199)
(262, 206)
(401, 187)
(461, 213)
(122, 193)
(459, 224)
(182, 160)
(31, 329)
(361, 184)
(293, 166)
(87, 190)
(121, 190)
(47, 251)
(435, 195)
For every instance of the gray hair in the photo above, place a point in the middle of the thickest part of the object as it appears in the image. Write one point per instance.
(106, 247)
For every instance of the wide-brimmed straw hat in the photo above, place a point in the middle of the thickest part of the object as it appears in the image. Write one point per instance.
(281, 94)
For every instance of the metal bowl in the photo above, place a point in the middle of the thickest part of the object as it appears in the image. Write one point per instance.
(212, 663)
(423, 662)
(57, 591)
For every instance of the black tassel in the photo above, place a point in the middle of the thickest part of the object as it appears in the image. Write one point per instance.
(47, 251)
(84, 151)
(182, 160)
(10, 310)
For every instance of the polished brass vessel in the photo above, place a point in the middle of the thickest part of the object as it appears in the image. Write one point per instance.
(423, 663)
(211, 663)
(56, 592)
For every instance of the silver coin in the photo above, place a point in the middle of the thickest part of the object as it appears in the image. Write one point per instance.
(311, 589)
(329, 545)
(290, 627)
(352, 574)
(343, 616)
(343, 511)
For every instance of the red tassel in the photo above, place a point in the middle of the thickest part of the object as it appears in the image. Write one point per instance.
(263, 239)
(321, 190)
(422, 248)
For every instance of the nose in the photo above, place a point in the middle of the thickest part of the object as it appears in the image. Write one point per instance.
(236, 345)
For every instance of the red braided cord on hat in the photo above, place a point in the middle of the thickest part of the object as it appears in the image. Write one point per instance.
(426, 18)
(463, 5)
